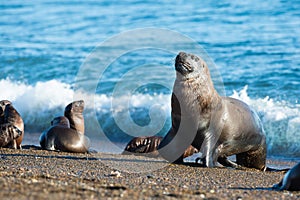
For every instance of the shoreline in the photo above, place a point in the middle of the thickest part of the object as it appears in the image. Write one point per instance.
(40, 174)
(102, 146)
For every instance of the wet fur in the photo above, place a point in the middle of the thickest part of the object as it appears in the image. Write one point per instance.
(9, 115)
(74, 113)
(223, 126)
(67, 132)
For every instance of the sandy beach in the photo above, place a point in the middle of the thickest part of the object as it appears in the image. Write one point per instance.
(39, 174)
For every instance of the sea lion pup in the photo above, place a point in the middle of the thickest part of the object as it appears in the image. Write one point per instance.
(291, 180)
(8, 135)
(217, 126)
(9, 115)
(61, 137)
(148, 146)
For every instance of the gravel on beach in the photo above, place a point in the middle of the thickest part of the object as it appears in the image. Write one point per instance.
(39, 174)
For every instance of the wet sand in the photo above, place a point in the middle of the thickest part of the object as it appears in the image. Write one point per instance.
(39, 174)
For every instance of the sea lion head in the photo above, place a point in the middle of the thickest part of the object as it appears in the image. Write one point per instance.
(3, 104)
(74, 113)
(75, 107)
(60, 121)
(189, 65)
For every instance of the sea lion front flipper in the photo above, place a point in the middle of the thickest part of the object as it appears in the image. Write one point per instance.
(227, 163)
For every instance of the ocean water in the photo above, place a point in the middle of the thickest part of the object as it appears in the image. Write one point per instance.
(119, 57)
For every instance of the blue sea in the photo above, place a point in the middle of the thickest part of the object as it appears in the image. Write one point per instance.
(119, 56)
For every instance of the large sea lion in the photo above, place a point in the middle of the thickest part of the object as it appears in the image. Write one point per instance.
(9, 115)
(217, 126)
(291, 180)
(148, 146)
(67, 132)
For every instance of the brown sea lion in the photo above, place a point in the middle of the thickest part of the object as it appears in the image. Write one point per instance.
(217, 126)
(9, 115)
(61, 137)
(74, 113)
(8, 135)
(143, 145)
(148, 146)
(291, 180)
(12, 116)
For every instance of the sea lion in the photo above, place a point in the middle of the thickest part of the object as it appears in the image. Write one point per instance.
(61, 137)
(291, 180)
(148, 146)
(9, 115)
(12, 116)
(143, 146)
(8, 135)
(74, 113)
(217, 126)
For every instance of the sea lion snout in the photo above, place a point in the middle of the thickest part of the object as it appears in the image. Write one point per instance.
(182, 64)
(186, 63)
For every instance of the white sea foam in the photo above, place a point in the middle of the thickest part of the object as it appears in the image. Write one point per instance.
(40, 102)
(281, 122)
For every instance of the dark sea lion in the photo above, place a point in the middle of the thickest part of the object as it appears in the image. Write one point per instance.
(74, 113)
(9, 115)
(61, 137)
(148, 146)
(8, 135)
(217, 126)
(12, 116)
(291, 180)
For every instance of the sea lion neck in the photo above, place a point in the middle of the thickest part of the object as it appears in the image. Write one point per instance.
(199, 86)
